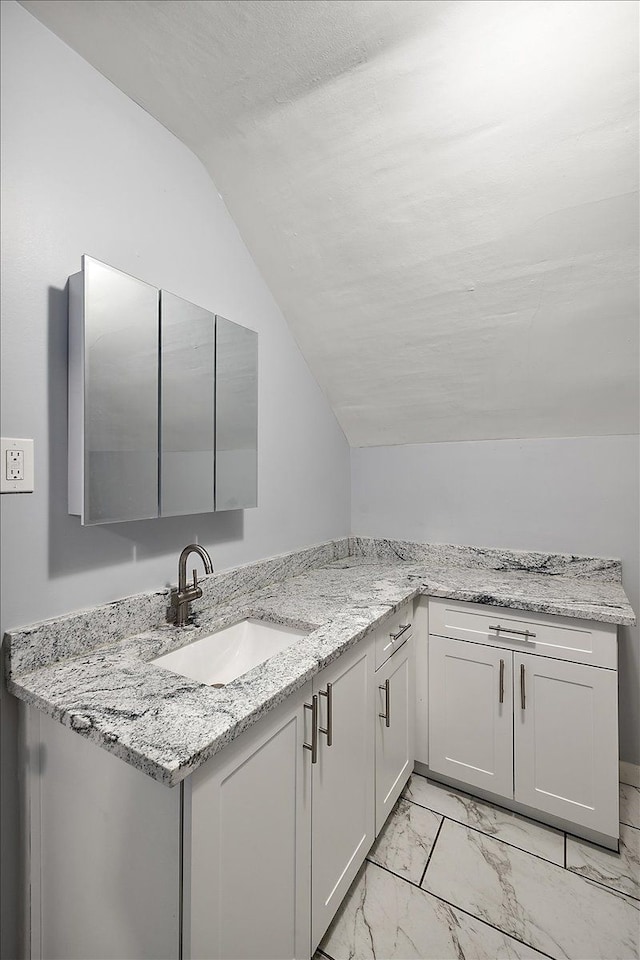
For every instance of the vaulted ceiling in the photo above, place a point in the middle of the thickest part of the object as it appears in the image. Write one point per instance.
(442, 196)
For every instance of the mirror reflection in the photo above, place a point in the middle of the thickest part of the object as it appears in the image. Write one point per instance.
(187, 337)
(121, 396)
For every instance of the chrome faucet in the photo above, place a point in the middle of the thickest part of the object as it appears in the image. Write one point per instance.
(183, 595)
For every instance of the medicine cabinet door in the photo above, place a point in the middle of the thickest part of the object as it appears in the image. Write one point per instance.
(236, 416)
(187, 365)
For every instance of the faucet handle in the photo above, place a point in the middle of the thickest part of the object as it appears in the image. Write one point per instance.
(195, 590)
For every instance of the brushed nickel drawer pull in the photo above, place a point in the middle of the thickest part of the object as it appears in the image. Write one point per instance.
(328, 730)
(523, 694)
(501, 697)
(313, 746)
(527, 634)
(403, 629)
(386, 716)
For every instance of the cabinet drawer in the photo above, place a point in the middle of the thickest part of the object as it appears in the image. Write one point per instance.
(582, 641)
(393, 633)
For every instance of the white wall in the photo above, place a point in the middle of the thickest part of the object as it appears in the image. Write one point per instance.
(85, 170)
(577, 495)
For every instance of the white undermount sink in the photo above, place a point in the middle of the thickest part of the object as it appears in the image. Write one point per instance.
(220, 657)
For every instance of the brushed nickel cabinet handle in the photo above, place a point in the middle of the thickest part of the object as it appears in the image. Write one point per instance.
(313, 746)
(501, 697)
(403, 629)
(527, 634)
(523, 694)
(328, 730)
(386, 716)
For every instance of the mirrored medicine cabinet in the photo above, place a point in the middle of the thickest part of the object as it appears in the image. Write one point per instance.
(163, 402)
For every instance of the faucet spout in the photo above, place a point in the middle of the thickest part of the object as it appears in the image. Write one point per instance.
(181, 598)
(182, 562)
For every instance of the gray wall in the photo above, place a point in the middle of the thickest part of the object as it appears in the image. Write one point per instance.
(85, 170)
(577, 495)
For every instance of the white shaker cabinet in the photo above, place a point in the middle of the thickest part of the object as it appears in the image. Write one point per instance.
(248, 859)
(395, 729)
(282, 821)
(342, 782)
(524, 708)
(471, 714)
(566, 736)
(246, 868)
(278, 825)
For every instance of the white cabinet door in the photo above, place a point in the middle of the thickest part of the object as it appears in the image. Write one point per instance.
(421, 656)
(566, 740)
(249, 845)
(395, 729)
(471, 714)
(343, 782)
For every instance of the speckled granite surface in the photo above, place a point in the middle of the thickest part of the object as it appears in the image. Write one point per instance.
(48, 641)
(92, 670)
(488, 558)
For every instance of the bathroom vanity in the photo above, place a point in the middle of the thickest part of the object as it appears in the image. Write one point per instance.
(252, 854)
(243, 812)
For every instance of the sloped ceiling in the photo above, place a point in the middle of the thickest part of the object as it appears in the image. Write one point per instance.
(442, 196)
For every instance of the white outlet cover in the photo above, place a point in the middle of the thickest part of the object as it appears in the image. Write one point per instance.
(16, 486)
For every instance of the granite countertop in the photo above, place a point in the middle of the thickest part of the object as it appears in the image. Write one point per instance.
(167, 725)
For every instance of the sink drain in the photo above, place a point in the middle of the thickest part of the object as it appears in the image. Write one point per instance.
(217, 685)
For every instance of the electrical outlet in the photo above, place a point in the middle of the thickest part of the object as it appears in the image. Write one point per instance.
(16, 465)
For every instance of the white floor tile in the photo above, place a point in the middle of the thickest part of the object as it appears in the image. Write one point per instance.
(511, 827)
(630, 805)
(406, 840)
(618, 870)
(630, 773)
(552, 909)
(385, 918)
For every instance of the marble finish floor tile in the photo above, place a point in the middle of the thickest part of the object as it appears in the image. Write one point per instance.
(630, 805)
(386, 918)
(520, 832)
(406, 840)
(618, 870)
(552, 909)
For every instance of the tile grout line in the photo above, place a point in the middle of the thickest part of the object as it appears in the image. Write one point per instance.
(491, 836)
(431, 852)
(487, 803)
(388, 870)
(598, 883)
(553, 863)
(605, 886)
(611, 890)
(454, 906)
(496, 806)
(630, 825)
